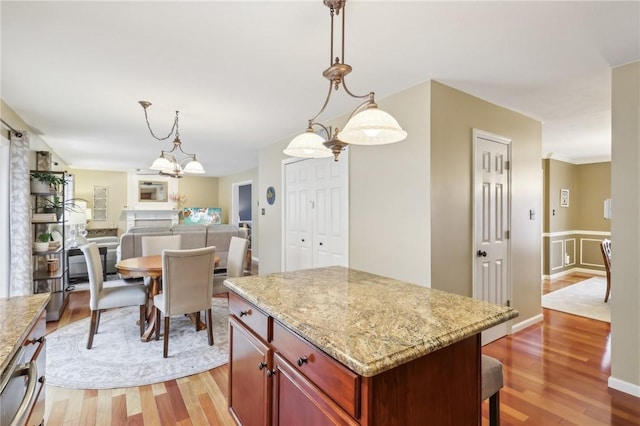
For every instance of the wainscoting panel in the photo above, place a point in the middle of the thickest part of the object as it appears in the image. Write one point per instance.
(557, 255)
(570, 251)
(590, 254)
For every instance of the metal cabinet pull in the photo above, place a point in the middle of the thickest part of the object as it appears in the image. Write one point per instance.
(302, 360)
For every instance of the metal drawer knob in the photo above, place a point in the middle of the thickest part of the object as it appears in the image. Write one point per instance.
(302, 360)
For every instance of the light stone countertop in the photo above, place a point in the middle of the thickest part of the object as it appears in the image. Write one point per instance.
(367, 322)
(17, 317)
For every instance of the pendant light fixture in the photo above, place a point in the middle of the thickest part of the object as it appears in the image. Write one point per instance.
(367, 124)
(168, 164)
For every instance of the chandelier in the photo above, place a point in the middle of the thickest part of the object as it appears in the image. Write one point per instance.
(367, 125)
(168, 164)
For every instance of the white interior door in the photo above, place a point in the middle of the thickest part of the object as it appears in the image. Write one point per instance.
(298, 254)
(316, 213)
(331, 212)
(491, 224)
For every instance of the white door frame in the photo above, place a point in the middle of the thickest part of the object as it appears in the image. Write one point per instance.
(505, 328)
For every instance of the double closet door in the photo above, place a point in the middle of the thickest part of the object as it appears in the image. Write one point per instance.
(316, 213)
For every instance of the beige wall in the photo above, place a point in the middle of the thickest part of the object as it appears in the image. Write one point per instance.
(625, 228)
(224, 201)
(583, 221)
(561, 175)
(453, 116)
(594, 186)
(389, 197)
(200, 192)
(116, 183)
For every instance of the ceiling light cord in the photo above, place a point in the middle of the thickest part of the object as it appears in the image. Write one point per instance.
(366, 125)
(167, 163)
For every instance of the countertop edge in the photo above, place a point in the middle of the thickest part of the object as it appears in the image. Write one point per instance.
(25, 332)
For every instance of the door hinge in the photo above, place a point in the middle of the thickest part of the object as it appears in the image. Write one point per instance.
(509, 303)
(507, 165)
(507, 235)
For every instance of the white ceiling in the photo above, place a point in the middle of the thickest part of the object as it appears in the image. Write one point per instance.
(248, 74)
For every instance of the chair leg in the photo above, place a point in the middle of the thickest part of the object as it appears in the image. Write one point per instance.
(209, 320)
(92, 328)
(158, 324)
(606, 296)
(143, 315)
(197, 321)
(494, 409)
(98, 320)
(166, 336)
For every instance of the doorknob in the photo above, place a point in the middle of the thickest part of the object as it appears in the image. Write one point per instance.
(482, 253)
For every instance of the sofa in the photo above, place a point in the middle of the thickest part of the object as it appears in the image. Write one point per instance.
(78, 265)
(192, 236)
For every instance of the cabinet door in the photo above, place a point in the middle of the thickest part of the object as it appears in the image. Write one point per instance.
(250, 360)
(297, 401)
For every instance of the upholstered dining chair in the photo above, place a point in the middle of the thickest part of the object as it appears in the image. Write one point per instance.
(235, 264)
(605, 248)
(187, 282)
(153, 246)
(118, 294)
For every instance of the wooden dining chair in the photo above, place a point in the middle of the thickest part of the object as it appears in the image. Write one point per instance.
(235, 264)
(605, 248)
(119, 294)
(186, 288)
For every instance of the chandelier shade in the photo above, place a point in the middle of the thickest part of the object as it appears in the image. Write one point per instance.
(308, 145)
(167, 163)
(370, 126)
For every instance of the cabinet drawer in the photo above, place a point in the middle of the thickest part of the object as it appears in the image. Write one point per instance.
(249, 315)
(338, 382)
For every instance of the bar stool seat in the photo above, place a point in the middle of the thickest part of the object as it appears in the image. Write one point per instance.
(492, 382)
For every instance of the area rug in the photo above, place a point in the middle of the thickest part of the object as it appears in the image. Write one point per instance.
(118, 358)
(585, 298)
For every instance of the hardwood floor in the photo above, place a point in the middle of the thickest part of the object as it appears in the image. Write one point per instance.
(555, 374)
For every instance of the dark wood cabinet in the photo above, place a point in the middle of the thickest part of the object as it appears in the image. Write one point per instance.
(249, 391)
(279, 378)
(297, 401)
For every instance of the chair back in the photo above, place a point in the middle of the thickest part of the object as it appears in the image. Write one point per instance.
(187, 280)
(152, 246)
(237, 253)
(94, 270)
(605, 247)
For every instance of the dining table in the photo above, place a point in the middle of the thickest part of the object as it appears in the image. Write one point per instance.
(151, 266)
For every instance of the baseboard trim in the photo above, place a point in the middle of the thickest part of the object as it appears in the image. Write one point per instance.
(526, 323)
(573, 270)
(623, 386)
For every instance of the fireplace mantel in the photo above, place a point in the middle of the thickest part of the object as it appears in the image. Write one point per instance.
(140, 217)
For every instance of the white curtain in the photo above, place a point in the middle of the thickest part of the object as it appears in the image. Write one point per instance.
(5, 258)
(21, 275)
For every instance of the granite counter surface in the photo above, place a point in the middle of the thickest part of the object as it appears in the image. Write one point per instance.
(17, 317)
(367, 322)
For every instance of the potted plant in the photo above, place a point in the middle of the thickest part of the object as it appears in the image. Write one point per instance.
(42, 242)
(43, 182)
(56, 205)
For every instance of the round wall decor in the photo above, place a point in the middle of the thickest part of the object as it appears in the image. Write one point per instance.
(271, 195)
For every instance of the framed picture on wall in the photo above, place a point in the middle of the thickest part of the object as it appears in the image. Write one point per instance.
(564, 198)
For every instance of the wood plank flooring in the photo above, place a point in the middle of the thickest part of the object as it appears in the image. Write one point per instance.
(555, 374)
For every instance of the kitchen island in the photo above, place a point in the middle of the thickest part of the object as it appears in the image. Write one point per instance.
(340, 346)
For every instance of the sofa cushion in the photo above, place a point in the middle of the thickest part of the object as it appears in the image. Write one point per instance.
(193, 236)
